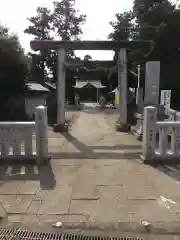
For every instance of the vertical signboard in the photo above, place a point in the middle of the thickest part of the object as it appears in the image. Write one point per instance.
(152, 80)
(165, 99)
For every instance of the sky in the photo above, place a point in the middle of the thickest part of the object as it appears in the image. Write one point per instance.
(14, 14)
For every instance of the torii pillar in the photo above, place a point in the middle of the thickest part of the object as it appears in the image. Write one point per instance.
(61, 125)
(122, 124)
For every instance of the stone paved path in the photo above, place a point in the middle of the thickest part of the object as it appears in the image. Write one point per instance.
(90, 184)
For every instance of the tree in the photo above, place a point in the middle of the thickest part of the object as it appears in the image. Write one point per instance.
(122, 27)
(13, 67)
(36, 71)
(13, 74)
(67, 26)
(66, 21)
(63, 23)
(41, 28)
(157, 20)
(87, 58)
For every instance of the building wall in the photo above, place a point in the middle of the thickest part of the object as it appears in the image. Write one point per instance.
(32, 102)
(88, 94)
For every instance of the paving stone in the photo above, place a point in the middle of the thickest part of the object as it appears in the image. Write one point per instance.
(78, 218)
(17, 203)
(30, 187)
(57, 164)
(65, 179)
(88, 168)
(3, 212)
(66, 175)
(107, 175)
(34, 207)
(138, 187)
(112, 205)
(61, 145)
(86, 207)
(84, 192)
(10, 187)
(169, 190)
(21, 218)
(56, 201)
(39, 195)
(53, 218)
(140, 191)
(90, 182)
(3, 198)
(65, 219)
(151, 211)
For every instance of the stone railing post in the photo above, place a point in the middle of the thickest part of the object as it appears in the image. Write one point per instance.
(149, 132)
(41, 135)
(140, 100)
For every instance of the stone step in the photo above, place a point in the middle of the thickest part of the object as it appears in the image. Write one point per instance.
(99, 154)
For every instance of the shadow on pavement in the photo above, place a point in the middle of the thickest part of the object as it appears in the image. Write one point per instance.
(46, 176)
(86, 150)
(90, 152)
(98, 156)
(172, 171)
(117, 147)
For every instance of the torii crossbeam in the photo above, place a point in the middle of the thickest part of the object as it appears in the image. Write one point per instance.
(120, 46)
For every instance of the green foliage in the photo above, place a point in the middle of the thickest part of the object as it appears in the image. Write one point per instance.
(66, 22)
(13, 73)
(40, 25)
(122, 27)
(87, 58)
(156, 20)
(63, 23)
(13, 67)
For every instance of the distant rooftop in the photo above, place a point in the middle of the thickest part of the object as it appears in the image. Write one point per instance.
(50, 85)
(94, 83)
(36, 87)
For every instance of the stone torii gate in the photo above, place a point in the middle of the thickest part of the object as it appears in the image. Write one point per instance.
(120, 46)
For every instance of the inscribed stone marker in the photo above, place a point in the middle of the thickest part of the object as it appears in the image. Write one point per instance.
(152, 83)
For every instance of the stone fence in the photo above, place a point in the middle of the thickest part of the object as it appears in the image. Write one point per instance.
(25, 140)
(165, 147)
(173, 115)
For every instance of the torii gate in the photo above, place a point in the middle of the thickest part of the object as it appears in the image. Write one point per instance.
(63, 46)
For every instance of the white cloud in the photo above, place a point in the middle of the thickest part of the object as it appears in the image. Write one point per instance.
(14, 13)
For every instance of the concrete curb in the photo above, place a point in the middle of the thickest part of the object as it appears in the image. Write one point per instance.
(133, 227)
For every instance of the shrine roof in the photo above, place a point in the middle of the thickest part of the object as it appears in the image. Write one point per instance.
(94, 83)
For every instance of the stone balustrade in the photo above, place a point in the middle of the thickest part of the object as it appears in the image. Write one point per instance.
(25, 140)
(16, 138)
(165, 147)
(169, 139)
(173, 115)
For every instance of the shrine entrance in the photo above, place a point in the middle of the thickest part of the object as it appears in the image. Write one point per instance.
(89, 91)
(119, 46)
